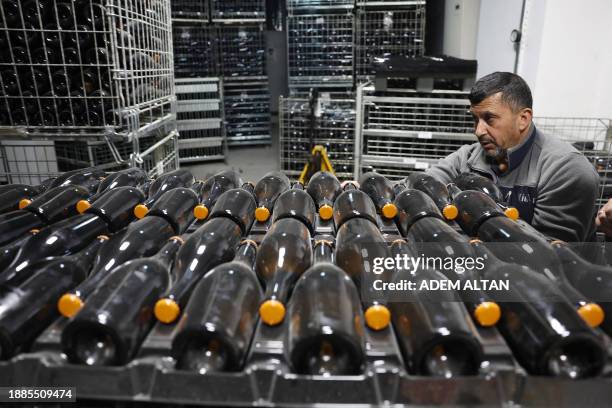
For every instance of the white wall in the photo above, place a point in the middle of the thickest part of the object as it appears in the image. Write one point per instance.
(566, 57)
(461, 28)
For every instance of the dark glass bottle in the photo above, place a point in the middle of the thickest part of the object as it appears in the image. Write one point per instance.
(237, 204)
(413, 205)
(353, 203)
(8, 251)
(212, 188)
(298, 204)
(324, 188)
(47, 208)
(142, 238)
(29, 307)
(471, 181)
(219, 320)
(132, 177)
(435, 333)
(14, 194)
(212, 244)
(267, 190)
(436, 190)
(380, 190)
(116, 206)
(541, 327)
(65, 14)
(176, 207)
(284, 255)
(358, 243)
(119, 313)
(475, 208)
(89, 178)
(326, 333)
(163, 183)
(435, 239)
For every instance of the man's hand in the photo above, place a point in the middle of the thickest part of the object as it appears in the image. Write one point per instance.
(604, 218)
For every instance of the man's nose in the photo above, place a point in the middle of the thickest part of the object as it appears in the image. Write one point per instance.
(481, 128)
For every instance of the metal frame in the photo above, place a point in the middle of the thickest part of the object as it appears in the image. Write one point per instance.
(247, 111)
(190, 10)
(320, 49)
(129, 59)
(238, 11)
(295, 7)
(200, 119)
(196, 50)
(242, 51)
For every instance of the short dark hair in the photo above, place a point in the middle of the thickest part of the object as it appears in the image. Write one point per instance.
(514, 90)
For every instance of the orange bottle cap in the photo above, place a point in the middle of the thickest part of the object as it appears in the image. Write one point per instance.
(272, 312)
(592, 314)
(389, 210)
(487, 314)
(512, 213)
(24, 203)
(140, 211)
(166, 310)
(262, 214)
(69, 305)
(200, 212)
(326, 212)
(83, 206)
(377, 317)
(450, 212)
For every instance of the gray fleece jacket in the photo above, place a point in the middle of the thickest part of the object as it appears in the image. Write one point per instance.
(552, 184)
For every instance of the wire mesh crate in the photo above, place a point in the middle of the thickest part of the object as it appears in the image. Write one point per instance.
(200, 119)
(405, 131)
(190, 9)
(238, 10)
(295, 7)
(242, 51)
(83, 68)
(388, 4)
(247, 111)
(325, 121)
(320, 49)
(380, 34)
(196, 50)
(593, 138)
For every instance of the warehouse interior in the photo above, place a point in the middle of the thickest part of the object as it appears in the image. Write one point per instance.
(194, 196)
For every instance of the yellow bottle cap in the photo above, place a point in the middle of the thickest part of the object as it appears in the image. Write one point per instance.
(512, 213)
(377, 317)
(200, 212)
(326, 212)
(389, 211)
(272, 312)
(24, 203)
(69, 305)
(487, 314)
(140, 211)
(592, 314)
(450, 212)
(262, 214)
(83, 206)
(166, 310)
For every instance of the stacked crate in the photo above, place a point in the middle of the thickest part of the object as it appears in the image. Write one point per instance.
(83, 72)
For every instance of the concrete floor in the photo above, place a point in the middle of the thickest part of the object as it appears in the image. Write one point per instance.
(252, 163)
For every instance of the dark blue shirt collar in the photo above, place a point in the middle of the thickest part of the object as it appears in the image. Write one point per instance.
(517, 153)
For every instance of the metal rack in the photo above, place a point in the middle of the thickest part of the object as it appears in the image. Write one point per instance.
(320, 49)
(84, 69)
(242, 51)
(326, 121)
(296, 6)
(196, 50)
(228, 11)
(247, 110)
(200, 119)
(190, 9)
(401, 132)
(394, 29)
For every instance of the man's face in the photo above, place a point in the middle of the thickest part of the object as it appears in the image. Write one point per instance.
(497, 126)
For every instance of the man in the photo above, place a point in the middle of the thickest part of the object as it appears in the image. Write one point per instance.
(552, 184)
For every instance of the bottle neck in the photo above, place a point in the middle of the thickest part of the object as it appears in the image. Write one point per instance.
(297, 186)
(323, 252)
(246, 253)
(248, 187)
(87, 255)
(453, 190)
(167, 253)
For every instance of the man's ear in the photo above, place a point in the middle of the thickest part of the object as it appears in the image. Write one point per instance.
(524, 119)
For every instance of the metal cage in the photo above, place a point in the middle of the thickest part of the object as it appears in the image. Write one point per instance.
(200, 119)
(328, 122)
(382, 33)
(190, 9)
(242, 51)
(196, 50)
(82, 68)
(320, 49)
(295, 7)
(238, 10)
(247, 111)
